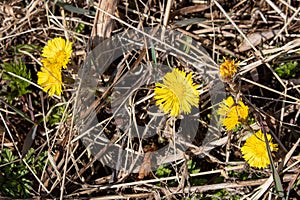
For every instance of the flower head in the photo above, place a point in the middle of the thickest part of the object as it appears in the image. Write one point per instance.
(177, 93)
(50, 65)
(255, 151)
(228, 69)
(56, 55)
(232, 114)
(50, 80)
(58, 52)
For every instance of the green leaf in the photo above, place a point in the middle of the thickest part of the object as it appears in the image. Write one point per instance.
(288, 70)
(18, 112)
(163, 171)
(74, 9)
(16, 86)
(29, 140)
(80, 27)
(277, 181)
(192, 167)
(30, 48)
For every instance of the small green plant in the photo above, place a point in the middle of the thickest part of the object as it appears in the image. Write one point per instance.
(80, 27)
(288, 70)
(223, 194)
(192, 167)
(240, 175)
(56, 114)
(16, 86)
(15, 176)
(163, 171)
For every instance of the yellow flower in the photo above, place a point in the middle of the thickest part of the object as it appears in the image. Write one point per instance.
(228, 69)
(50, 65)
(58, 52)
(177, 93)
(232, 113)
(255, 150)
(50, 80)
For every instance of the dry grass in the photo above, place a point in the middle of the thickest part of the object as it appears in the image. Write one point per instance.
(260, 34)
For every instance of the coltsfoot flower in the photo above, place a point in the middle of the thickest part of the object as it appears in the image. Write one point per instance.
(50, 80)
(232, 113)
(255, 150)
(51, 66)
(56, 55)
(228, 69)
(58, 52)
(177, 93)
